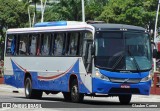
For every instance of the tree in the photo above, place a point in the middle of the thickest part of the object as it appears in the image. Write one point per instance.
(12, 15)
(27, 4)
(28, 7)
(133, 12)
(72, 10)
(65, 10)
(93, 8)
(43, 6)
(35, 11)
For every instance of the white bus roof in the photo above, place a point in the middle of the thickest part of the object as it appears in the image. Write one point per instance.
(71, 26)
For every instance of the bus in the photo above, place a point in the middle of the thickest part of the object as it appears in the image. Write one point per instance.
(79, 59)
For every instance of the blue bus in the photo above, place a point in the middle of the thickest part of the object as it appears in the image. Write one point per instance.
(79, 59)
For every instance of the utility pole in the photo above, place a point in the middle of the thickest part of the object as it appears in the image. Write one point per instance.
(83, 11)
(155, 33)
(35, 19)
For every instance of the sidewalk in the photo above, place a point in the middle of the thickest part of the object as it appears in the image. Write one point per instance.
(7, 88)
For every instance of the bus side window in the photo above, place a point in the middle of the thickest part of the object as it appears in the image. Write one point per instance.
(53, 43)
(45, 44)
(73, 44)
(59, 44)
(23, 44)
(33, 44)
(11, 44)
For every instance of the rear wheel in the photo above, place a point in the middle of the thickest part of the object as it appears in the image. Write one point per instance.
(31, 93)
(125, 99)
(75, 95)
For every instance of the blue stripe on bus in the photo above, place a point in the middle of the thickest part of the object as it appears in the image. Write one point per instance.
(47, 24)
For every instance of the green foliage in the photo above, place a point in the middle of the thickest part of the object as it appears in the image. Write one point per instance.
(12, 14)
(72, 10)
(93, 9)
(64, 10)
(133, 12)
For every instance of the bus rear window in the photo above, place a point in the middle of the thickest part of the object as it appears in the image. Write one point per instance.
(11, 45)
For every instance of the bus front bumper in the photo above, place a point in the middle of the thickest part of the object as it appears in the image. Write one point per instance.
(106, 87)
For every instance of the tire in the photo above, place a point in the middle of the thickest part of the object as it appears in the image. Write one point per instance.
(125, 99)
(31, 93)
(67, 96)
(75, 95)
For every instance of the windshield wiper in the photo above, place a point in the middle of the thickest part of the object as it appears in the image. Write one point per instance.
(118, 61)
(134, 60)
(101, 67)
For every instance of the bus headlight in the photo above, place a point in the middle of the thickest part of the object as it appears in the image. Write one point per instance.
(149, 77)
(100, 76)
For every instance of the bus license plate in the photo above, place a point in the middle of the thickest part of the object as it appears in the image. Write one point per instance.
(125, 86)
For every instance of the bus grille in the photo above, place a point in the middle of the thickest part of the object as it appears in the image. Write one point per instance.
(124, 80)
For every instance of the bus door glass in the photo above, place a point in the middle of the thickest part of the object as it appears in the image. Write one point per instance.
(87, 57)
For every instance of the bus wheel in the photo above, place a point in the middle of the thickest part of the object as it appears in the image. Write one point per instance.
(67, 96)
(125, 99)
(75, 95)
(31, 93)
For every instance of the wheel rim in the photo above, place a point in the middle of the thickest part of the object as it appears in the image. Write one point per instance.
(74, 92)
(28, 88)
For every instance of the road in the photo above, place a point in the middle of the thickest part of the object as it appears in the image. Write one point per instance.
(57, 103)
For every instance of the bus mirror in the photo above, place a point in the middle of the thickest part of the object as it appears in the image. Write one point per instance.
(92, 50)
(154, 53)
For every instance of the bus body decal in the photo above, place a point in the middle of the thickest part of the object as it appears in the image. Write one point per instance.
(55, 76)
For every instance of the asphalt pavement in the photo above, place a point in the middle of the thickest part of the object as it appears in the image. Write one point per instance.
(141, 98)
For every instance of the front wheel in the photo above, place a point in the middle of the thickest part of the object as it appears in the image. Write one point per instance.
(125, 99)
(31, 93)
(75, 95)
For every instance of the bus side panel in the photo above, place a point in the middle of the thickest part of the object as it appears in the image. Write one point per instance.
(34, 76)
(50, 85)
(47, 73)
(61, 83)
(86, 84)
(9, 80)
(13, 75)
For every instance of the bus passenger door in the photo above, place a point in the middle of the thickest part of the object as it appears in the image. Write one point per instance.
(87, 59)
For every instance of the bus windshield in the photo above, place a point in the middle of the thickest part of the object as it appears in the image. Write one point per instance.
(123, 51)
